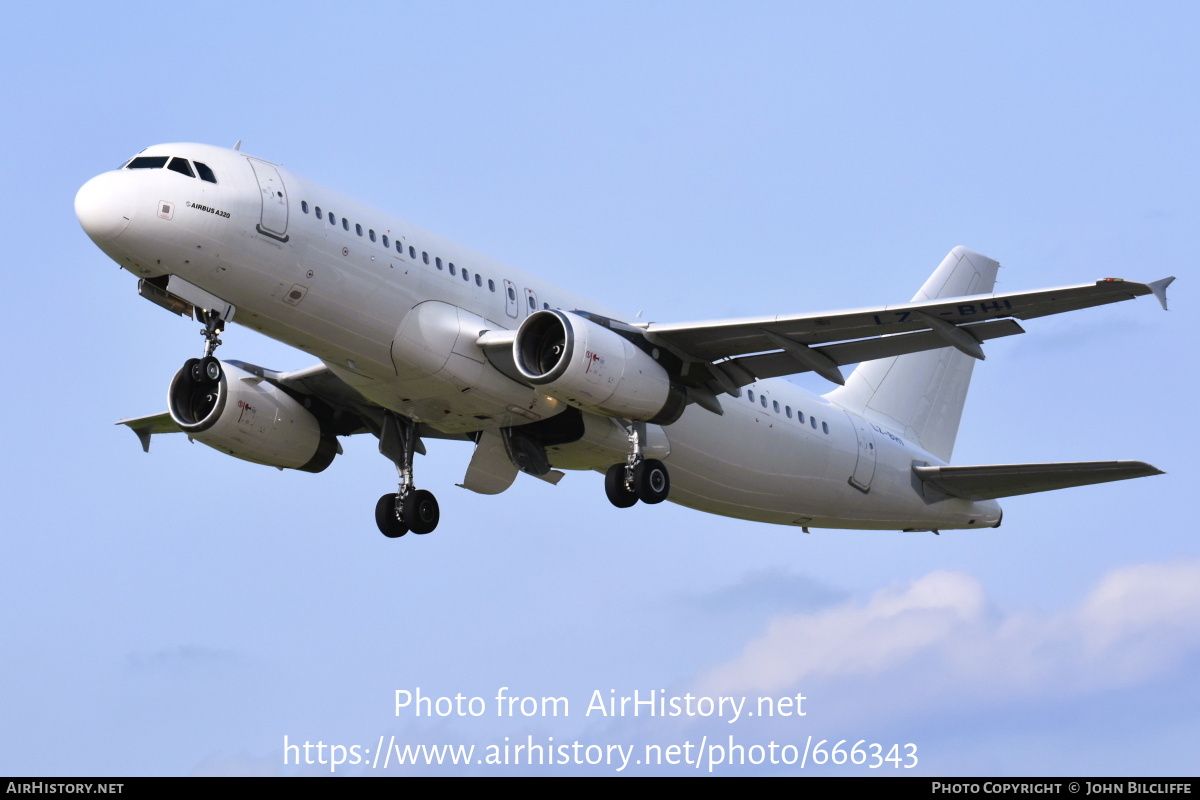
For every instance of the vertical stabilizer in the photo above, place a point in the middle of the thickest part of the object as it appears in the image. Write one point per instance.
(923, 393)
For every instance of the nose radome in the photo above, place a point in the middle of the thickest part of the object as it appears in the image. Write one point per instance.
(104, 206)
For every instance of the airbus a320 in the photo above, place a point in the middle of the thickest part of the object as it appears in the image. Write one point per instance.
(419, 337)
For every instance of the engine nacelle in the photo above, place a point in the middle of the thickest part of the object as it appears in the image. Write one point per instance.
(594, 368)
(249, 418)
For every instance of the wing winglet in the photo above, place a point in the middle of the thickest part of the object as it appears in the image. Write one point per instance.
(1159, 289)
(147, 426)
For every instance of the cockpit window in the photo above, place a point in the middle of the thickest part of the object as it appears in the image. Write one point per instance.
(148, 162)
(206, 174)
(181, 166)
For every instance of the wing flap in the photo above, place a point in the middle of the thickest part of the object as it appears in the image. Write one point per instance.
(773, 365)
(993, 481)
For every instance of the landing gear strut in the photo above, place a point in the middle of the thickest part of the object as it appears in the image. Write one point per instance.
(639, 478)
(410, 508)
(207, 371)
(213, 326)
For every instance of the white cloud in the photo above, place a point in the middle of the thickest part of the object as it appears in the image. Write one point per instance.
(1142, 618)
(940, 634)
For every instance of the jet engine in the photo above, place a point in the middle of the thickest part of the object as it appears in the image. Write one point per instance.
(247, 417)
(594, 368)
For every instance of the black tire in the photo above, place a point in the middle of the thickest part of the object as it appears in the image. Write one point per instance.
(385, 517)
(421, 512)
(651, 481)
(191, 368)
(210, 368)
(614, 487)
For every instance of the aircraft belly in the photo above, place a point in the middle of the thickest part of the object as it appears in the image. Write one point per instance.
(752, 466)
(334, 323)
(604, 443)
(462, 397)
(748, 465)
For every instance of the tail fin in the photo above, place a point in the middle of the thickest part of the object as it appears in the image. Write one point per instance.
(923, 393)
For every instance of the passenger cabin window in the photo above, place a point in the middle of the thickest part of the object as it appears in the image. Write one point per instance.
(358, 229)
(438, 262)
(345, 224)
(371, 234)
(466, 276)
(825, 427)
(181, 166)
(452, 270)
(763, 400)
(332, 218)
(425, 256)
(205, 173)
(385, 241)
(478, 279)
(750, 394)
(304, 206)
(491, 285)
(148, 162)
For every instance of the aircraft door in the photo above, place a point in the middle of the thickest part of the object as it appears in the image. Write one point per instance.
(274, 218)
(864, 466)
(510, 298)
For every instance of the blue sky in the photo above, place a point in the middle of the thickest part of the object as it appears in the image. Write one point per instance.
(181, 612)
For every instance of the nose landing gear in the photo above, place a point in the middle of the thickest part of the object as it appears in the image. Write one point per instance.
(207, 371)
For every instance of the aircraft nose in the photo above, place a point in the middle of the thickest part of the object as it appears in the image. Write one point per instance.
(104, 206)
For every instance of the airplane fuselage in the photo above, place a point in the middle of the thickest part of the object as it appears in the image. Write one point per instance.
(394, 311)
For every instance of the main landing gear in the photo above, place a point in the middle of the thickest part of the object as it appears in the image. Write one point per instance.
(639, 478)
(410, 508)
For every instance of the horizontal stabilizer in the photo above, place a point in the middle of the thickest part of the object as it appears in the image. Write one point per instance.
(992, 481)
(144, 427)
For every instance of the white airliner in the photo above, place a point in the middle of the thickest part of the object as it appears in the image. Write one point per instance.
(421, 337)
